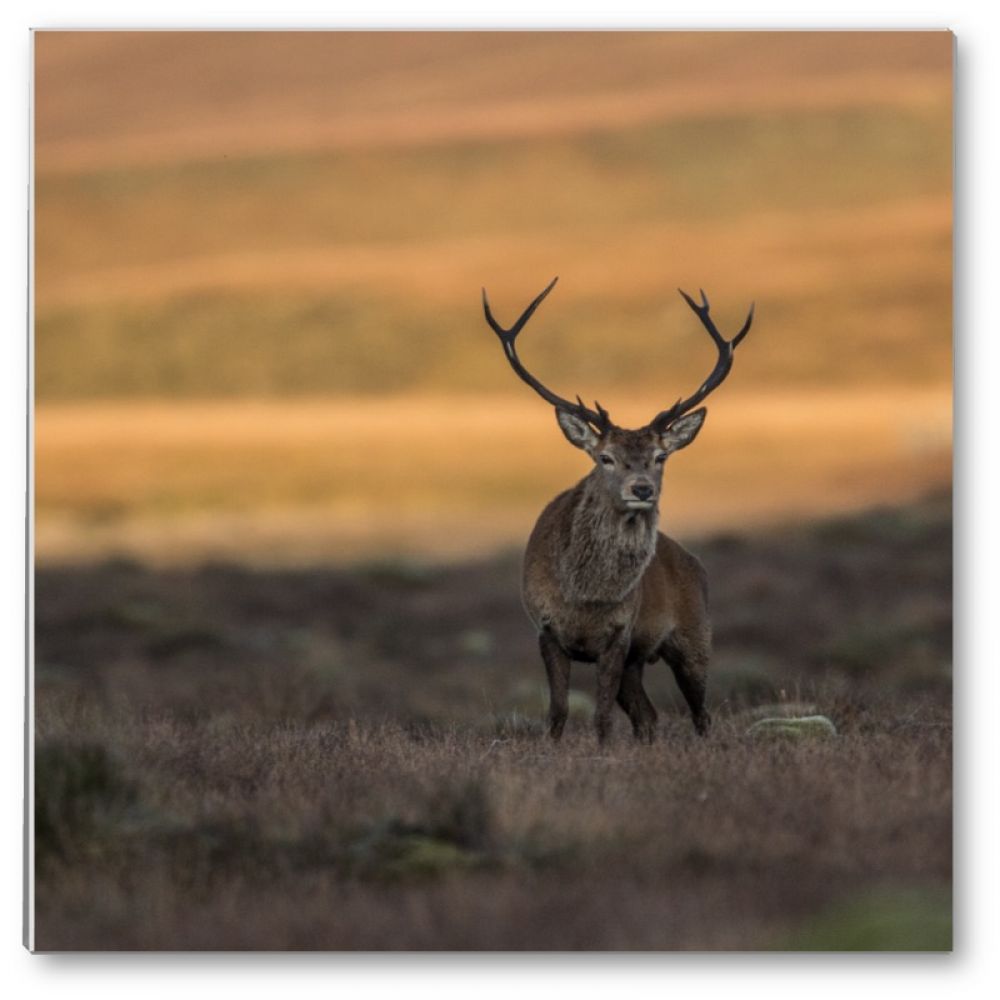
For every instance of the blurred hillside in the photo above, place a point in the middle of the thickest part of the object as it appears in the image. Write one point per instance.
(259, 256)
(233, 214)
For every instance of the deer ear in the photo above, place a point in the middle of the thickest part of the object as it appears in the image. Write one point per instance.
(578, 432)
(683, 431)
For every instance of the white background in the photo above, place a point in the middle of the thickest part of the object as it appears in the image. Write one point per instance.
(974, 969)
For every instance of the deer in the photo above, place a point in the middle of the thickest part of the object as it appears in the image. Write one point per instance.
(600, 582)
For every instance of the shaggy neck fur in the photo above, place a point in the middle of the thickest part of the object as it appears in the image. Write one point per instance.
(604, 551)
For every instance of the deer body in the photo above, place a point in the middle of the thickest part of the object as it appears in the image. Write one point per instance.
(650, 598)
(601, 583)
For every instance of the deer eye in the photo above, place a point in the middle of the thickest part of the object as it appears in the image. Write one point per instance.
(607, 460)
(661, 458)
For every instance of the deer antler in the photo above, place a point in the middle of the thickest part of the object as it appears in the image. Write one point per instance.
(598, 419)
(722, 365)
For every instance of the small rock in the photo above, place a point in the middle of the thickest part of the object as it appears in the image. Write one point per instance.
(794, 729)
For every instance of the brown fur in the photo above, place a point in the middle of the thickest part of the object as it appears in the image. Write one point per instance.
(602, 585)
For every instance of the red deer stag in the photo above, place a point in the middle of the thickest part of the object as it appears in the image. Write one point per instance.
(601, 584)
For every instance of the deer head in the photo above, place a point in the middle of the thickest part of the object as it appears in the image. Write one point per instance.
(628, 463)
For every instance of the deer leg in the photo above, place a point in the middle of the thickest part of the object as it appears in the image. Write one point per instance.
(610, 666)
(557, 665)
(687, 656)
(633, 699)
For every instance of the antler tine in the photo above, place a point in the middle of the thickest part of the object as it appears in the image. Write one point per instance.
(507, 336)
(596, 418)
(722, 365)
(745, 328)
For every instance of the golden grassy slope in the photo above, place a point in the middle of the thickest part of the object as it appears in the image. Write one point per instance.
(361, 272)
(293, 482)
(251, 216)
(107, 99)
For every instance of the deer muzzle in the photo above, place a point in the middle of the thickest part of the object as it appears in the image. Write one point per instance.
(639, 494)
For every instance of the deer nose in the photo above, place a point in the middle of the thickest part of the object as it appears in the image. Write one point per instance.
(641, 491)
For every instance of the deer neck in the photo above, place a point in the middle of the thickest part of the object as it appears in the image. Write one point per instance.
(604, 551)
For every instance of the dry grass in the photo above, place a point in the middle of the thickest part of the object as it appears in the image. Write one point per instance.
(351, 758)
(274, 267)
(301, 482)
(373, 836)
(211, 238)
(345, 89)
(895, 246)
